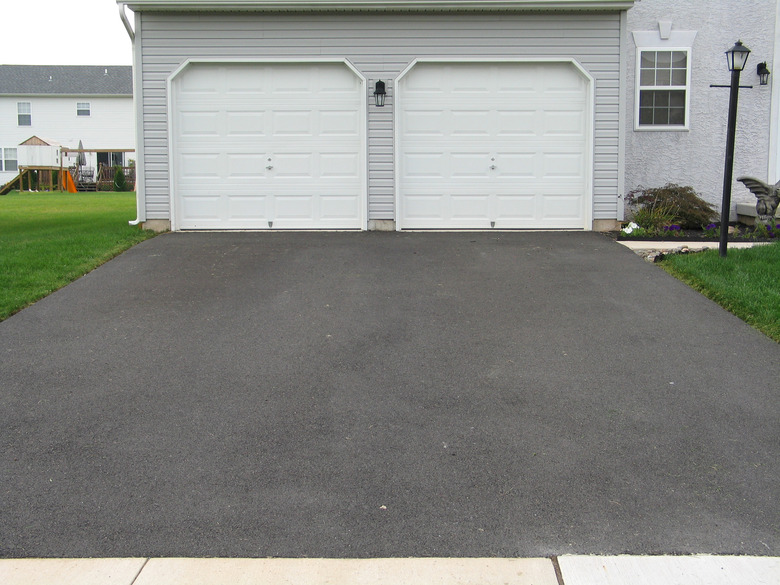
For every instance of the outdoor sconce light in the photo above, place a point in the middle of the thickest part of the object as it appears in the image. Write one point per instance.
(379, 94)
(763, 73)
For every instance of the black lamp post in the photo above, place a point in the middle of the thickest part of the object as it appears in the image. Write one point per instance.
(737, 57)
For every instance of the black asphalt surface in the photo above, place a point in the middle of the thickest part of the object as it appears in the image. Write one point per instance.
(385, 395)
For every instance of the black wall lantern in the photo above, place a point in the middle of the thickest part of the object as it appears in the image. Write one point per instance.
(763, 73)
(379, 94)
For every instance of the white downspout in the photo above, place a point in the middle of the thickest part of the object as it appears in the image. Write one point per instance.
(125, 21)
(139, 213)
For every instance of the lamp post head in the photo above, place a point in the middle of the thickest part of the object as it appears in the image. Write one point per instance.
(737, 56)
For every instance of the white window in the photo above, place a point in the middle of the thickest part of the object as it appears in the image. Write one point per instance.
(663, 89)
(24, 113)
(82, 109)
(10, 162)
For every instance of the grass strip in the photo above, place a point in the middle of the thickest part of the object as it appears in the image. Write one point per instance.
(48, 240)
(746, 282)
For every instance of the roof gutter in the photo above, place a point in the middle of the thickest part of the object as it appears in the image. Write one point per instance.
(377, 5)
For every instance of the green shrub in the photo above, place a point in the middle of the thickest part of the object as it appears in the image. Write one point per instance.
(671, 204)
(120, 184)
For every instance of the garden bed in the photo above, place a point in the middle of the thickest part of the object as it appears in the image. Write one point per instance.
(737, 233)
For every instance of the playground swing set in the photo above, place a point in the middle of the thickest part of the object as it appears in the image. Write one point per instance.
(73, 178)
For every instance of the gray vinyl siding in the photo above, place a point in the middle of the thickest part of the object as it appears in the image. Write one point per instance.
(381, 46)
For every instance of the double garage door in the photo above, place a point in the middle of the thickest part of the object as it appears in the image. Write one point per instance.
(477, 146)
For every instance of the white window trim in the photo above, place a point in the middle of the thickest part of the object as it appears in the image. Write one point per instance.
(652, 41)
(639, 87)
(18, 113)
(3, 159)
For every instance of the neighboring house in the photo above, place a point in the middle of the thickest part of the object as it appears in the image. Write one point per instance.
(62, 106)
(498, 114)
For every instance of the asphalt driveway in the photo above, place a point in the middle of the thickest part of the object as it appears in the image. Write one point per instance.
(385, 394)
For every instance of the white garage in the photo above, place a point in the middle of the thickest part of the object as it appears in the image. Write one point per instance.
(268, 145)
(502, 145)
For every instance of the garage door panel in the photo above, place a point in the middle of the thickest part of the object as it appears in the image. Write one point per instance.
(251, 207)
(246, 123)
(517, 206)
(563, 165)
(469, 206)
(422, 122)
(339, 165)
(558, 123)
(494, 143)
(267, 142)
(337, 207)
(194, 124)
(512, 166)
(517, 123)
(200, 166)
(339, 123)
(246, 166)
(469, 122)
(557, 207)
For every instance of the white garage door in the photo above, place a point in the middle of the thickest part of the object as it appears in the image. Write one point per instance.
(268, 146)
(502, 145)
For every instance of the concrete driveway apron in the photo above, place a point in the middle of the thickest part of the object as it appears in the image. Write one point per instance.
(381, 395)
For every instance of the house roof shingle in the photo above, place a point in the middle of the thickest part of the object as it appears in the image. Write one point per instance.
(66, 80)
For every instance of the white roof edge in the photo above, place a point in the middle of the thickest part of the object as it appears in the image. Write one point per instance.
(374, 5)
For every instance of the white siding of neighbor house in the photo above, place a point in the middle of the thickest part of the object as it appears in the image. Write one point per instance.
(111, 123)
(380, 46)
(696, 157)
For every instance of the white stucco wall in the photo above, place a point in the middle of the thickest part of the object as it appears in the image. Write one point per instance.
(696, 157)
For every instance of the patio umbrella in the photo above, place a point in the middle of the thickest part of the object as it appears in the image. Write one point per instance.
(81, 159)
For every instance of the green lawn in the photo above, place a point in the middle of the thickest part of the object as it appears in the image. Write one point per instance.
(746, 282)
(50, 239)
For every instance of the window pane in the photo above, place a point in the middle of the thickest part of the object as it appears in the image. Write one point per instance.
(677, 116)
(646, 116)
(645, 99)
(25, 120)
(664, 59)
(678, 77)
(661, 116)
(82, 109)
(663, 77)
(23, 107)
(677, 99)
(679, 60)
(647, 77)
(661, 98)
(648, 60)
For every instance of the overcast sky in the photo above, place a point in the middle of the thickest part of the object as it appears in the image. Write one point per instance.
(62, 32)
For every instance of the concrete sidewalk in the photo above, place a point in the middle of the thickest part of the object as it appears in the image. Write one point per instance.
(375, 395)
(566, 570)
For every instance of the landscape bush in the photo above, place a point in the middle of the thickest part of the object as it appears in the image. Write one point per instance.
(671, 204)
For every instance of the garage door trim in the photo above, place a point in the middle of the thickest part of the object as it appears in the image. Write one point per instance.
(589, 122)
(363, 123)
